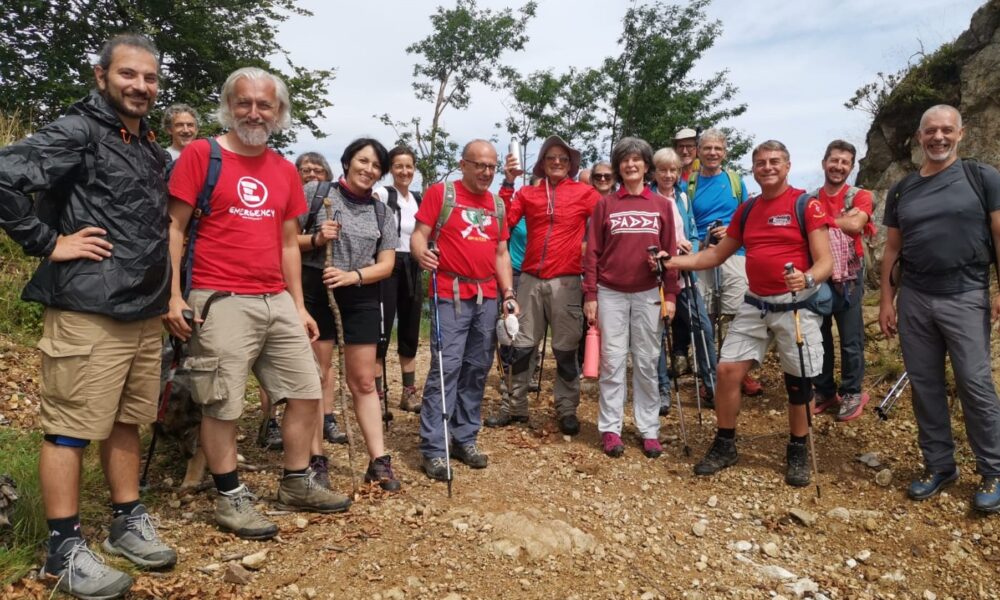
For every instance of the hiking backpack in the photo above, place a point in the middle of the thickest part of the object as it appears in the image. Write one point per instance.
(393, 202)
(735, 184)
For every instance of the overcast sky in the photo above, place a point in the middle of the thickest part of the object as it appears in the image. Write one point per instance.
(795, 63)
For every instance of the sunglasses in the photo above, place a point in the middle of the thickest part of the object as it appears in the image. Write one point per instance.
(557, 159)
(602, 176)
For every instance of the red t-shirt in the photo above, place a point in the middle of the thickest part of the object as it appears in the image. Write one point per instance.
(772, 238)
(238, 248)
(834, 205)
(466, 246)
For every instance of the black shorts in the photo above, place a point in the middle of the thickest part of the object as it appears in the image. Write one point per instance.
(358, 309)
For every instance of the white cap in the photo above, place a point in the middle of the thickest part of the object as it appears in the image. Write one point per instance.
(685, 134)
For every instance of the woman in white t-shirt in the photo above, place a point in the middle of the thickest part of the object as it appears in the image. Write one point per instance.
(403, 292)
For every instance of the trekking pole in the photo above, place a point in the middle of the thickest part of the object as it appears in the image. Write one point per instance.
(890, 399)
(716, 294)
(444, 405)
(541, 363)
(161, 411)
(694, 315)
(799, 342)
(670, 350)
(382, 338)
(342, 370)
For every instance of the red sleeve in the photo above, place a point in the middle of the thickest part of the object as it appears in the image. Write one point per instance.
(514, 209)
(189, 172)
(733, 230)
(816, 215)
(668, 242)
(595, 245)
(430, 206)
(863, 202)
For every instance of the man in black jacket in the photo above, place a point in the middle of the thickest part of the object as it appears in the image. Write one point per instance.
(101, 229)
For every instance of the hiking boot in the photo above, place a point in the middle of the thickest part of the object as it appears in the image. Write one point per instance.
(320, 465)
(752, 387)
(410, 402)
(304, 493)
(470, 455)
(134, 537)
(651, 448)
(235, 512)
(612, 444)
(707, 396)
(664, 400)
(503, 420)
(824, 403)
(332, 433)
(930, 483)
(380, 470)
(851, 406)
(269, 436)
(797, 470)
(436, 467)
(722, 454)
(82, 573)
(569, 425)
(987, 496)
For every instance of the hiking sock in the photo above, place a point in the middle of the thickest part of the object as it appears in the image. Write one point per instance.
(726, 434)
(293, 473)
(124, 508)
(226, 482)
(61, 529)
(797, 439)
(409, 379)
(314, 458)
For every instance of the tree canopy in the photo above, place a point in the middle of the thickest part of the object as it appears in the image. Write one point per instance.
(47, 47)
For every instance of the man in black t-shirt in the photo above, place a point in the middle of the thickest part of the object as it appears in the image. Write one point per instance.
(943, 226)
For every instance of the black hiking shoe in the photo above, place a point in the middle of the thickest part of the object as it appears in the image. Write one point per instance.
(722, 454)
(569, 425)
(797, 472)
(503, 420)
(436, 467)
(269, 436)
(380, 470)
(470, 455)
(320, 465)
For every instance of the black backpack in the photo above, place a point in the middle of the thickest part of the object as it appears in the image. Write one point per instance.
(393, 202)
(203, 207)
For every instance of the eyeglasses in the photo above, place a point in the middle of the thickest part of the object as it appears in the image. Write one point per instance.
(481, 166)
(685, 147)
(601, 176)
(312, 170)
(560, 158)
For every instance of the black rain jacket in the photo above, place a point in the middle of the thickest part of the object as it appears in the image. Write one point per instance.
(84, 170)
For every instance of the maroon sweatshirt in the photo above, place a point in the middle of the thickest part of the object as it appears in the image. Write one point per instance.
(621, 229)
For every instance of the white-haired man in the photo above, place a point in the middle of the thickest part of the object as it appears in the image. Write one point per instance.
(247, 270)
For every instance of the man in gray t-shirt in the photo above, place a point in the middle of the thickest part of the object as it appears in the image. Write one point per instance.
(943, 224)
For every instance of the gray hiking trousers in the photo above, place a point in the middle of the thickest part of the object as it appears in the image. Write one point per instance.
(959, 324)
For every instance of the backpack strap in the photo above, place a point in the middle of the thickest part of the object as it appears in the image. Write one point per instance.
(849, 197)
(500, 211)
(418, 197)
(447, 206)
(975, 176)
(692, 184)
(736, 185)
(203, 207)
(749, 204)
(379, 222)
(322, 191)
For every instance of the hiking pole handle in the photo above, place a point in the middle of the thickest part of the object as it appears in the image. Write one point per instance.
(653, 251)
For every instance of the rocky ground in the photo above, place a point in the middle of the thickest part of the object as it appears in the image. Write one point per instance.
(552, 517)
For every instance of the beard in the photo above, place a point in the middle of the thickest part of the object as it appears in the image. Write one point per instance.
(253, 136)
(117, 100)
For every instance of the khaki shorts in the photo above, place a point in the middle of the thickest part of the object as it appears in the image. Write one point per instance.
(244, 333)
(733, 273)
(750, 335)
(97, 371)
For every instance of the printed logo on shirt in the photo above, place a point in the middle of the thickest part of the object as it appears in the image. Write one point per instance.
(635, 221)
(779, 220)
(477, 221)
(817, 209)
(253, 194)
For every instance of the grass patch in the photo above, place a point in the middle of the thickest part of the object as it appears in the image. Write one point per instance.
(20, 320)
(22, 545)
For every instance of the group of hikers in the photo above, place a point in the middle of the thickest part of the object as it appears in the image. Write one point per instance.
(261, 266)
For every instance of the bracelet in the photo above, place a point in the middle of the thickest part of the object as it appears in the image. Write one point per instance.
(361, 280)
(312, 240)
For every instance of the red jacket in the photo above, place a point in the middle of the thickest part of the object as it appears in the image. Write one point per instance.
(555, 237)
(621, 230)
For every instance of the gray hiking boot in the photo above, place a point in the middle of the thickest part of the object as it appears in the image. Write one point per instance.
(722, 454)
(134, 537)
(235, 512)
(269, 435)
(410, 401)
(797, 472)
(470, 455)
(304, 493)
(83, 574)
(332, 432)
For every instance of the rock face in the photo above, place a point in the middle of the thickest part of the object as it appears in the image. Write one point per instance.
(965, 74)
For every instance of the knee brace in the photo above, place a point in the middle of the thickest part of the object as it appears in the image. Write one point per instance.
(566, 364)
(799, 390)
(520, 359)
(65, 440)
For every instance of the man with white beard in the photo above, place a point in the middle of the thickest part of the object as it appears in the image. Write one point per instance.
(247, 269)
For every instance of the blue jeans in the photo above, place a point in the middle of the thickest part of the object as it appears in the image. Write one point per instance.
(851, 327)
(467, 352)
(691, 311)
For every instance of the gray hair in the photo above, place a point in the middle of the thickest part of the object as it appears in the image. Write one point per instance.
(317, 159)
(126, 39)
(713, 134)
(667, 156)
(225, 114)
(942, 108)
(631, 145)
(602, 163)
(176, 109)
(771, 146)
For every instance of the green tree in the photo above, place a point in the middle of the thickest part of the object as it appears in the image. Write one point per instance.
(47, 47)
(654, 91)
(465, 48)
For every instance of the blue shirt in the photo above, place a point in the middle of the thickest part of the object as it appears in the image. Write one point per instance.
(714, 201)
(516, 244)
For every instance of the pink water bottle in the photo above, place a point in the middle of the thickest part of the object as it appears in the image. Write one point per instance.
(592, 353)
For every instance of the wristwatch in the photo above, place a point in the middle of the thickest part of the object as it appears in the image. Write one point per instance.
(810, 280)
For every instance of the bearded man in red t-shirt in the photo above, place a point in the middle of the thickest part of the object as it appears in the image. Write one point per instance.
(772, 236)
(246, 294)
